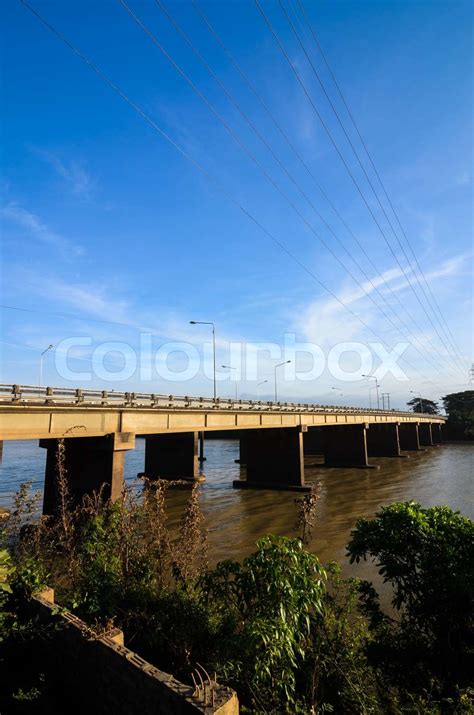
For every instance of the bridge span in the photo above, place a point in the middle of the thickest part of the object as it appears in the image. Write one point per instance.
(99, 427)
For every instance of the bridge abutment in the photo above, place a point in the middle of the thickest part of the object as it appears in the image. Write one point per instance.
(383, 440)
(92, 464)
(409, 436)
(172, 456)
(346, 446)
(274, 459)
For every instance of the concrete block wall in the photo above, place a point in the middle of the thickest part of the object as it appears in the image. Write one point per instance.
(101, 675)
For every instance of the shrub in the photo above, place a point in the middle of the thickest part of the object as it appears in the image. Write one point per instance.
(427, 556)
(271, 597)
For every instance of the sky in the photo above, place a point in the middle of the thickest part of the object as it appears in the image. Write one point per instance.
(188, 182)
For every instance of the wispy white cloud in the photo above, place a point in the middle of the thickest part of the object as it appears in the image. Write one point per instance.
(79, 180)
(326, 321)
(87, 298)
(23, 218)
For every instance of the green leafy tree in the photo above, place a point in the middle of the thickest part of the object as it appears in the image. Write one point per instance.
(272, 595)
(422, 404)
(427, 556)
(459, 407)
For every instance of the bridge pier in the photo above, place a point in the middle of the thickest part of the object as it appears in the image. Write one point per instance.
(346, 446)
(172, 456)
(201, 457)
(242, 450)
(409, 437)
(313, 441)
(274, 459)
(383, 440)
(424, 433)
(436, 432)
(91, 463)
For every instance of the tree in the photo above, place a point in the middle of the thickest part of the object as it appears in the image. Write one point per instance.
(459, 407)
(271, 598)
(427, 556)
(422, 404)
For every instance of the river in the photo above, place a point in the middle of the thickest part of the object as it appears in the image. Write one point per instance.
(236, 518)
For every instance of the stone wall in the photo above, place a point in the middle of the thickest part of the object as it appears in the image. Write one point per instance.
(100, 675)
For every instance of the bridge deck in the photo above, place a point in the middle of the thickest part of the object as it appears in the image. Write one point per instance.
(29, 412)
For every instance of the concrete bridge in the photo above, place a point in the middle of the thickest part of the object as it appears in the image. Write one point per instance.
(99, 427)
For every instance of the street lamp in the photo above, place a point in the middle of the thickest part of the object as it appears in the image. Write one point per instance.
(205, 322)
(275, 373)
(372, 377)
(50, 347)
(263, 382)
(341, 394)
(413, 392)
(229, 367)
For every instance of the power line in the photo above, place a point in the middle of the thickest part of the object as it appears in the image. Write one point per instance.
(69, 316)
(315, 72)
(377, 174)
(245, 149)
(347, 167)
(437, 311)
(298, 155)
(200, 168)
(231, 98)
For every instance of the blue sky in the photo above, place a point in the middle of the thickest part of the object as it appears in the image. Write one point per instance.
(108, 232)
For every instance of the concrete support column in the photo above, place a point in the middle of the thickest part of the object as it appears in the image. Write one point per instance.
(436, 432)
(201, 457)
(409, 437)
(242, 450)
(313, 441)
(425, 436)
(274, 459)
(346, 446)
(172, 456)
(91, 463)
(383, 440)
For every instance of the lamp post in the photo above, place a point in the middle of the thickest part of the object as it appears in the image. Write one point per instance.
(229, 367)
(263, 382)
(207, 322)
(50, 347)
(372, 377)
(341, 394)
(275, 374)
(413, 392)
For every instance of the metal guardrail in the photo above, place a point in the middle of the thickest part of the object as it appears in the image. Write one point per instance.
(66, 396)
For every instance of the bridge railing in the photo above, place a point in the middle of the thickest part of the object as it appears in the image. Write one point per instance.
(67, 396)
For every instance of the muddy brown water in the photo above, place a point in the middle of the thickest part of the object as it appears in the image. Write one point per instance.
(237, 518)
